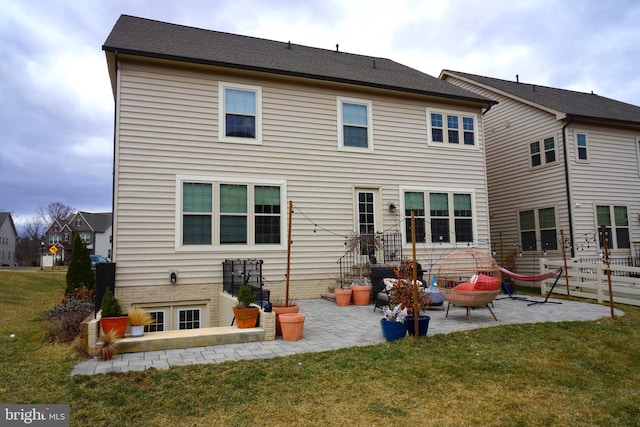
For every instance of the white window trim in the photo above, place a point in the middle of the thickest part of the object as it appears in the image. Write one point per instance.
(452, 244)
(178, 309)
(543, 158)
(215, 246)
(446, 143)
(222, 137)
(341, 100)
(162, 310)
(586, 135)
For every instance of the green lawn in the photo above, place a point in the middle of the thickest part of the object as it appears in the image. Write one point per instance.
(565, 374)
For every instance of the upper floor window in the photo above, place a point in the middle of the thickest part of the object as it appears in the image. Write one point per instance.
(53, 239)
(616, 223)
(240, 111)
(542, 152)
(354, 124)
(452, 128)
(538, 225)
(228, 213)
(85, 237)
(78, 223)
(56, 228)
(447, 215)
(581, 143)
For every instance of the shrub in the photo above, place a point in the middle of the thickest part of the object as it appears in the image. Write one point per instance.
(110, 306)
(79, 272)
(245, 296)
(63, 320)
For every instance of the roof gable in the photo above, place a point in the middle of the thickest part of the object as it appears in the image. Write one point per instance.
(576, 104)
(145, 37)
(6, 216)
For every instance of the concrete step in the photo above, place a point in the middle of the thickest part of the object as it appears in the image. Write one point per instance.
(169, 340)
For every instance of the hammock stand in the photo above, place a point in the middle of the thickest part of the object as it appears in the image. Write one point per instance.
(537, 278)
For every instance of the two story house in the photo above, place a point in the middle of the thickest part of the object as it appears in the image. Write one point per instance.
(216, 133)
(8, 237)
(559, 160)
(94, 230)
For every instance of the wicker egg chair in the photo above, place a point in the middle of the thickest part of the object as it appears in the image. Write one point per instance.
(469, 278)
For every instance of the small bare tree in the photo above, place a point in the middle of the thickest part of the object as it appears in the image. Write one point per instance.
(55, 211)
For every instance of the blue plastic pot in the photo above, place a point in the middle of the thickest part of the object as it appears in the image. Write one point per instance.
(393, 330)
(423, 325)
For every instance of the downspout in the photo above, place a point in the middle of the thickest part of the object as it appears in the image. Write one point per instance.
(113, 171)
(566, 179)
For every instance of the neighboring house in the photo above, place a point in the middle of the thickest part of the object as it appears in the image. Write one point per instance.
(94, 230)
(559, 160)
(8, 237)
(216, 133)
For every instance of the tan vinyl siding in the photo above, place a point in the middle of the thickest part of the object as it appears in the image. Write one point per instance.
(168, 127)
(608, 177)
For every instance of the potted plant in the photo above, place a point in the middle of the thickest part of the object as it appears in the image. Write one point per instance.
(393, 323)
(361, 289)
(138, 319)
(279, 307)
(246, 316)
(108, 345)
(403, 293)
(111, 315)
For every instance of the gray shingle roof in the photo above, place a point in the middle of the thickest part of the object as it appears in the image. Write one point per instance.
(577, 104)
(151, 38)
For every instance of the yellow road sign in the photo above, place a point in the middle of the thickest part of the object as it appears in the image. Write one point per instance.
(53, 250)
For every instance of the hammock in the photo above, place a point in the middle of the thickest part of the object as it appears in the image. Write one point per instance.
(537, 278)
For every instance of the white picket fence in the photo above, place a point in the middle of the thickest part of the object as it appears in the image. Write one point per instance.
(590, 280)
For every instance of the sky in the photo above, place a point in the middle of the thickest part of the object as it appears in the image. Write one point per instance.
(56, 109)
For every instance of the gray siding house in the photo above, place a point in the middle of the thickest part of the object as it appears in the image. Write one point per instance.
(216, 133)
(8, 237)
(559, 160)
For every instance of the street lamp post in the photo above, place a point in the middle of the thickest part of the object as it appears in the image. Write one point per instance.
(41, 255)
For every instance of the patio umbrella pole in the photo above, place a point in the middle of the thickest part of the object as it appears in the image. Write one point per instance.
(286, 292)
(416, 306)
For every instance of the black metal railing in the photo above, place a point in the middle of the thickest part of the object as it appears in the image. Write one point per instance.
(386, 247)
(236, 272)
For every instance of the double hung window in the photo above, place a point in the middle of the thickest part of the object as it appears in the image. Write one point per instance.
(354, 127)
(538, 225)
(542, 152)
(240, 110)
(616, 223)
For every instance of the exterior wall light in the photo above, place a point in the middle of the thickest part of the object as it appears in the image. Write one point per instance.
(173, 278)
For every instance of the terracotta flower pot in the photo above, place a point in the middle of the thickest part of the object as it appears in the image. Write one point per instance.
(118, 324)
(246, 317)
(278, 310)
(343, 297)
(292, 326)
(361, 294)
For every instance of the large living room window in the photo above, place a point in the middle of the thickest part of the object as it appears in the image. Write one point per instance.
(452, 128)
(222, 213)
(354, 124)
(240, 111)
(448, 215)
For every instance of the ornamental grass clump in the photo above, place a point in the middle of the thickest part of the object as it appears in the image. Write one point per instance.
(139, 317)
(109, 343)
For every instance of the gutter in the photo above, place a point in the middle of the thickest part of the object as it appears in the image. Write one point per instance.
(566, 179)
